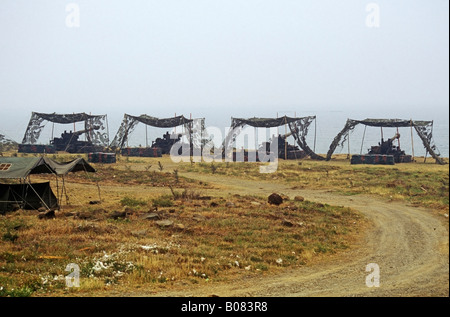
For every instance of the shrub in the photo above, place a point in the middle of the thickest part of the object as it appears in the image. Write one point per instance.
(162, 201)
(132, 202)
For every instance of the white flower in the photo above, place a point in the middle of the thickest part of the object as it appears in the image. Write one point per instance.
(99, 266)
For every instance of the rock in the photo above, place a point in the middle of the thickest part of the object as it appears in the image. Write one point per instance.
(118, 214)
(299, 198)
(179, 226)
(164, 223)
(84, 215)
(48, 214)
(230, 204)
(198, 218)
(150, 216)
(275, 199)
(255, 203)
(287, 223)
(139, 233)
(291, 207)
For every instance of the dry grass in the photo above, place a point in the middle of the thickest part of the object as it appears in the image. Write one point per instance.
(424, 184)
(204, 243)
(210, 239)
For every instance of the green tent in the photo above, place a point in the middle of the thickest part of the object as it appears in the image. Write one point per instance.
(22, 167)
(25, 195)
(77, 165)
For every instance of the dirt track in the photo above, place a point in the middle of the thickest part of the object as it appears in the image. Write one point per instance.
(409, 244)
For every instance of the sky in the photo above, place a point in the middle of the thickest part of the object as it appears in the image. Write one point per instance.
(222, 58)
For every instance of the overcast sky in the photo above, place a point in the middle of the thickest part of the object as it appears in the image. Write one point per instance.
(220, 58)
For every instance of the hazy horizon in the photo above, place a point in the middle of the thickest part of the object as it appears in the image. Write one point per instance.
(223, 59)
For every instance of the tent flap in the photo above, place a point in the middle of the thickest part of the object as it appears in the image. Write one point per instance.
(27, 196)
(76, 165)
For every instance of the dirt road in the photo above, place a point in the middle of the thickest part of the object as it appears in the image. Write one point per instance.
(409, 245)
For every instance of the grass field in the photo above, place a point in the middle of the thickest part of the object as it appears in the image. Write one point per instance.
(161, 224)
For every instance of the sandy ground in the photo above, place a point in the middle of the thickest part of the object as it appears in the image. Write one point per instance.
(410, 245)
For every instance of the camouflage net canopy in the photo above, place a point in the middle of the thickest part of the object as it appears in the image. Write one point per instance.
(298, 126)
(193, 128)
(6, 144)
(424, 130)
(96, 125)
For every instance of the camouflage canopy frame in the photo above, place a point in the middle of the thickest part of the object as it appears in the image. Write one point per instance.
(424, 130)
(98, 136)
(297, 125)
(193, 127)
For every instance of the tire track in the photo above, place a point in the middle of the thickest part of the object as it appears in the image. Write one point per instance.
(409, 244)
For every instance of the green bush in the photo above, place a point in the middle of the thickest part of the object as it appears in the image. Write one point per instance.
(163, 201)
(132, 202)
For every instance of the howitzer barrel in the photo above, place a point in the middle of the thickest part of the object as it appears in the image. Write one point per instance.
(78, 133)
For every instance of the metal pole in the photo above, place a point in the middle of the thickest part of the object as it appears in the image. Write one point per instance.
(285, 140)
(146, 136)
(126, 129)
(107, 128)
(362, 142)
(348, 140)
(412, 140)
(315, 133)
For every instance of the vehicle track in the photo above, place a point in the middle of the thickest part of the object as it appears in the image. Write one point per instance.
(409, 244)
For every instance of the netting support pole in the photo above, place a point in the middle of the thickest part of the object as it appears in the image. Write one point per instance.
(412, 140)
(362, 142)
(315, 133)
(348, 140)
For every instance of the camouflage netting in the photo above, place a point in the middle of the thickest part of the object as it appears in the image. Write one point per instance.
(95, 123)
(6, 144)
(298, 127)
(193, 128)
(423, 128)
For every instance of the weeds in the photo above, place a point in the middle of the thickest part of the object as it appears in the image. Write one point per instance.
(163, 201)
(132, 202)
